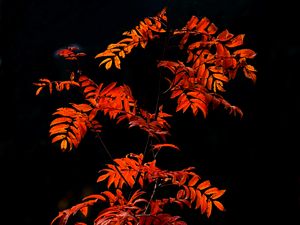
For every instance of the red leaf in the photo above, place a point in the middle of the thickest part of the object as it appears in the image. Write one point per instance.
(212, 29)
(95, 196)
(84, 210)
(202, 24)
(237, 41)
(82, 107)
(184, 40)
(108, 88)
(249, 74)
(175, 93)
(192, 23)
(103, 177)
(225, 35)
(245, 53)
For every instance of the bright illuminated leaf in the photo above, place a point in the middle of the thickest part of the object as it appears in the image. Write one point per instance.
(108, 64)
(236, 41)
(219, 205)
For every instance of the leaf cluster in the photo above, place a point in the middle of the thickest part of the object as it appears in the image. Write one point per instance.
(198, 84)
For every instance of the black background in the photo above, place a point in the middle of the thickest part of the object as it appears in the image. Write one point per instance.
(255, 158)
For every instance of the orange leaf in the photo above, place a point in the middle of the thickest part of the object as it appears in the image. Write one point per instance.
(84, 210)
(183, 106)
(182, 180)
(193, 194)
(105, 53)
(89, 89)
(249, 74)
(201, 105)
(203, 203)
(58, 138)
(209, 208)
(103, 177)
(184, 40)
(237, 41)
(105, 61)
(220, 77)
(220, 49)
(109, 195)
(59, 128)
(194, 45)
(245, 53)
(194, 180)
(202, 73)
(108, 88)
(108, 64)
(218, 194)
(210, 82)
(180, 194)
(122, 54)
(212, 190)
(219, 205)
(80, 54)
(95, 196)
(82, 107)
(73, 139)
(218, 85)
(38, 90)
(65, 112)
(159, 146)
(216, 69)
(198, 199)
(187, 192)
(250, 68)
(117, 62)
(175, 93)
(225, 35)
(203, 185)
(212, 29)
(111, 179)
(194, 109)
(61, 120)
(93, 114)
(64, 144)
(190, 57)
(192, 23)
(202, 24)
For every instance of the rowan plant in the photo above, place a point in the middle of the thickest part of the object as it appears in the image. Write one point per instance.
(196, 84)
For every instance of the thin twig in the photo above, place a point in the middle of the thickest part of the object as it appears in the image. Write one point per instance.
(152, 195)
(111, 158)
